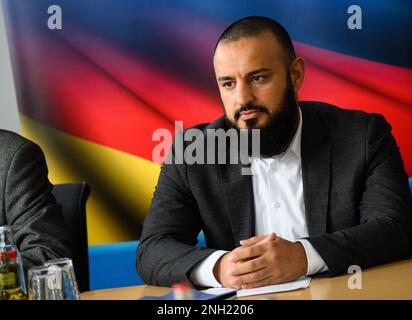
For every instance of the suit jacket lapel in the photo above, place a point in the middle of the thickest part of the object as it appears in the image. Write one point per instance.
(238, 194)
(316, 162)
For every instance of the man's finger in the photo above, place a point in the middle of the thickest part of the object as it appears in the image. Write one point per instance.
(273, 236)
(248, 266)
(268, 280)
(253, 277)
(257, 239)
(251, 241)
(243, 253)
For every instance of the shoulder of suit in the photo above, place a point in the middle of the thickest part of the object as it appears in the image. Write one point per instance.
(327, 109)
(341, 124)
(11, 142)
(333, 116)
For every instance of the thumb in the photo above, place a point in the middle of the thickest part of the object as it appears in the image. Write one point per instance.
(257, 239)
(270, 237)
(251, 241)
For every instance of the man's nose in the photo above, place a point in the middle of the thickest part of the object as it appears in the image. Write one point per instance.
(244, 95)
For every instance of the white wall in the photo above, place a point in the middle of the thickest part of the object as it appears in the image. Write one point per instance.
(8, 106)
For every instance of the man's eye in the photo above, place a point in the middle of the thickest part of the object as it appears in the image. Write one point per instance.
(228, 85)
(257, 78)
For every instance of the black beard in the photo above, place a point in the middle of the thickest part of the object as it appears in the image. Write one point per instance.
(278, 133)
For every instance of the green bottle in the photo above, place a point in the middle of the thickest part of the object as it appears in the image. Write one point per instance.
(12, 283)
(11, 287)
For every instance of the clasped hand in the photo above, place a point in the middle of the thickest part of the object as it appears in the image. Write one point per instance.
(261, 261)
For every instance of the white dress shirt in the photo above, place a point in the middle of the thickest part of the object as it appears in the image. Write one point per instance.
(279, 208)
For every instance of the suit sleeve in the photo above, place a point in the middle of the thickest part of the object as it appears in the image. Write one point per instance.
(167, 251)
(385, 230)
(32, 211)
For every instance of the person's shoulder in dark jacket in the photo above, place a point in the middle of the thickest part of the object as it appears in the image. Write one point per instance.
(26, 201)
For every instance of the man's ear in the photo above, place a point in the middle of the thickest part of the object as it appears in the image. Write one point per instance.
(297, 73)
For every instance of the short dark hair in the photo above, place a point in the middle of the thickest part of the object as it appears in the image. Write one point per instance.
(255, 25)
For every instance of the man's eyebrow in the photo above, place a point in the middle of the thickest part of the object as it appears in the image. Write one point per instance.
(249, 74)
(224, 78)
(260, 70)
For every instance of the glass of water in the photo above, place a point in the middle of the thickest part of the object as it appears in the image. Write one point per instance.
(45, 283)
(68, 278)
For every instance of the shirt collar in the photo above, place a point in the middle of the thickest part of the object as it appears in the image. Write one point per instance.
(295, 144)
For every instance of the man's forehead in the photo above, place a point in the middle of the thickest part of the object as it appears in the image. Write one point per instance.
(250, 52)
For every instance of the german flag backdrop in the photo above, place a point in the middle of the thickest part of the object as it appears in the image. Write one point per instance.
(93, 93)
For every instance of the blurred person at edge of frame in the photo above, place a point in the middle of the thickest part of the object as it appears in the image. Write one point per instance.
(27, 204)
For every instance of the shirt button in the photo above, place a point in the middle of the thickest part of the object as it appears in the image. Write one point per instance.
(277, 205)
(274, 170)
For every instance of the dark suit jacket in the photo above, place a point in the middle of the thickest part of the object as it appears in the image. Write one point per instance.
(356, 196)
(27, 204)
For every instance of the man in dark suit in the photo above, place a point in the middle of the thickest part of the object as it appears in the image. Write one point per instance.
(327, 191)
(26, 202)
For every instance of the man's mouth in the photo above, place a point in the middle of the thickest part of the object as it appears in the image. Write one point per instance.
(249, 114)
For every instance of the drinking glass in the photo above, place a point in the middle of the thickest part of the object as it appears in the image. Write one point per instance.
(70, 288)
(45, 283)
(6, 236)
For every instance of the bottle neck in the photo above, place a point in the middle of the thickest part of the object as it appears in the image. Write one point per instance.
(6, 236)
